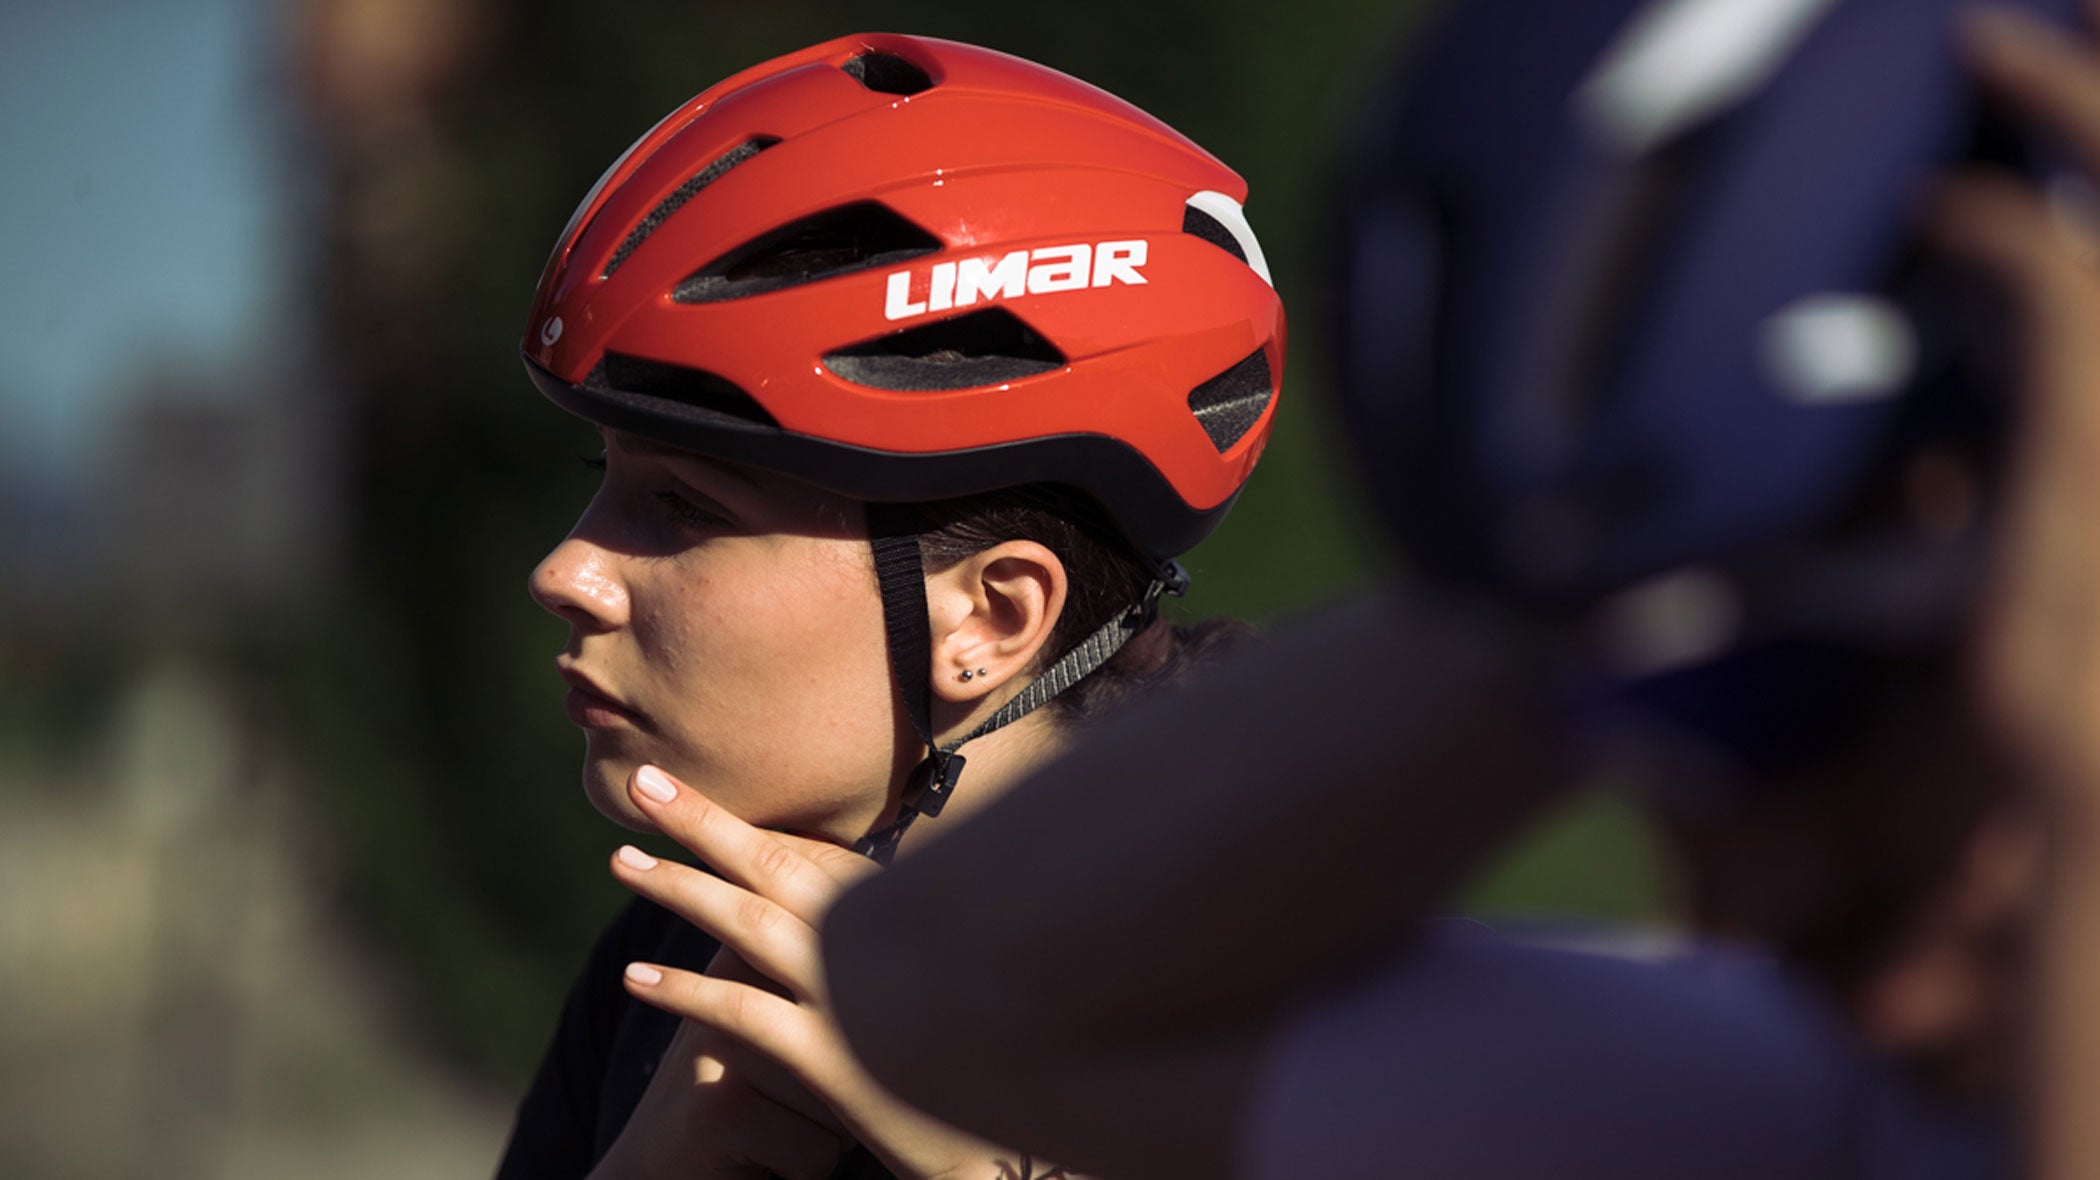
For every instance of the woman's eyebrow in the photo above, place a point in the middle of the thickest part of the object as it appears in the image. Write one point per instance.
(641, 445)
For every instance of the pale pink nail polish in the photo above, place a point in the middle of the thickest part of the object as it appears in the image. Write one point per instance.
(655, 784)
(644, 974)
(635, 858)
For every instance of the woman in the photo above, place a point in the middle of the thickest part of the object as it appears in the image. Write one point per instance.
(916, 365)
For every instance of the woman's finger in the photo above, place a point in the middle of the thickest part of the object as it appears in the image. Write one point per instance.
(780, 1029)
(808, 1046)
(2040, 642)
(758, 860)
(2048, 75)
(842, 865)
(2002, 227)
(2003, 230)
(700, 1056)
(710, 1084)
(778, 944)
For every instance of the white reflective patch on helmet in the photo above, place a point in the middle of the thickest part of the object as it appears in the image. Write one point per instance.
(1671, 621)
(1835, 349)
(1228, 213)
(1680, 62)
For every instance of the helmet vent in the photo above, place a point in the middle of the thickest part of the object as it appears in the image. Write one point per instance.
(980, 348)
(835, 242)
(887, 73)
(1229, 404)
(1210, 229)
(619, 373)
(683, 193)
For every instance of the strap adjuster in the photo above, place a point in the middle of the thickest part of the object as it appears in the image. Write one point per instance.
(1169, 579)
(941, 772)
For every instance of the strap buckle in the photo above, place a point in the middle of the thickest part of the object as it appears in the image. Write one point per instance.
(940, 772)
(1171, 579)
(932, 781)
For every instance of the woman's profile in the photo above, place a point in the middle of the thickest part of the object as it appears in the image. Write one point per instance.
(916, 365)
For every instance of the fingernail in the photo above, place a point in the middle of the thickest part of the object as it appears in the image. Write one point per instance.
(635, 858)
(644, 974)
(655, 784)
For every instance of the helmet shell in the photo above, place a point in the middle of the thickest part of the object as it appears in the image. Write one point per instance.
(1589, 246)
(906, 269)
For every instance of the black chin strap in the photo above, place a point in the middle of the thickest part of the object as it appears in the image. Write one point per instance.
(894, 534)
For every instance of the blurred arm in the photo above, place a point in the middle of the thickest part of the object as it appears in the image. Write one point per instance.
(1113, 935)
(2039, 659)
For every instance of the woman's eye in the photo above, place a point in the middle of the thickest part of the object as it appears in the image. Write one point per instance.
(688, 513)
(594, 462)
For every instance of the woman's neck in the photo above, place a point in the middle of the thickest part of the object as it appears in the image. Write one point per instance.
(997, 761)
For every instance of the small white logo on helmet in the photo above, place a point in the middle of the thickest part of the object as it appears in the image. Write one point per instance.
(1034, 272)
(550, 331)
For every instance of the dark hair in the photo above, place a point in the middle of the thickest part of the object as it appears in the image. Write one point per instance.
(1104, 579)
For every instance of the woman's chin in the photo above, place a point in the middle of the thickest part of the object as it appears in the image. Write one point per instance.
(606, 787)
(605, 784)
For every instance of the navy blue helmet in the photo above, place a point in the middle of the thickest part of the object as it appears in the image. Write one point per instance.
(1632, 326)
(1626, 286)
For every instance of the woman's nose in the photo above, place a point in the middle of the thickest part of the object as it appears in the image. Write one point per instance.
(577, 581)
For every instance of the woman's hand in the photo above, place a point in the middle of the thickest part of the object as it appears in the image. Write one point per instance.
(765, 909)
(704, 1118)
(2039, 655)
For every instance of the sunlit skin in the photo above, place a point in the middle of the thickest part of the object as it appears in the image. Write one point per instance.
(724, 624)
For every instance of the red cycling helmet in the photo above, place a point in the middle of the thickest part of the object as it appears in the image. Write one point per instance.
(907, 269)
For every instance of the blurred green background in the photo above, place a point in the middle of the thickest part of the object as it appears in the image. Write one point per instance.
(293, 863)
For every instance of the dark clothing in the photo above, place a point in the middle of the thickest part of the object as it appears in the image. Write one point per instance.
(605, 1050)
(1471, 1054)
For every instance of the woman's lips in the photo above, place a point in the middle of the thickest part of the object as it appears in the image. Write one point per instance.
(590, 708)
(592, 711)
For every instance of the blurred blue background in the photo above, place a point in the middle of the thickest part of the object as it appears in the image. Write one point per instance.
(147, 208)
(293, 864)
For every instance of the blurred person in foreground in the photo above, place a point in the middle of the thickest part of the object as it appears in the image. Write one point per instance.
(1887, 819)
(915, 365)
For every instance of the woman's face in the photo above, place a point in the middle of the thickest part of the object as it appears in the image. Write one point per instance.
(725, 624)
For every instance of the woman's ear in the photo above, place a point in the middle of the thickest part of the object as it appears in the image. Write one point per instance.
(991, 614)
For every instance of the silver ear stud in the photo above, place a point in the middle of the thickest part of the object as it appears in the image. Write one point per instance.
(967, 674)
